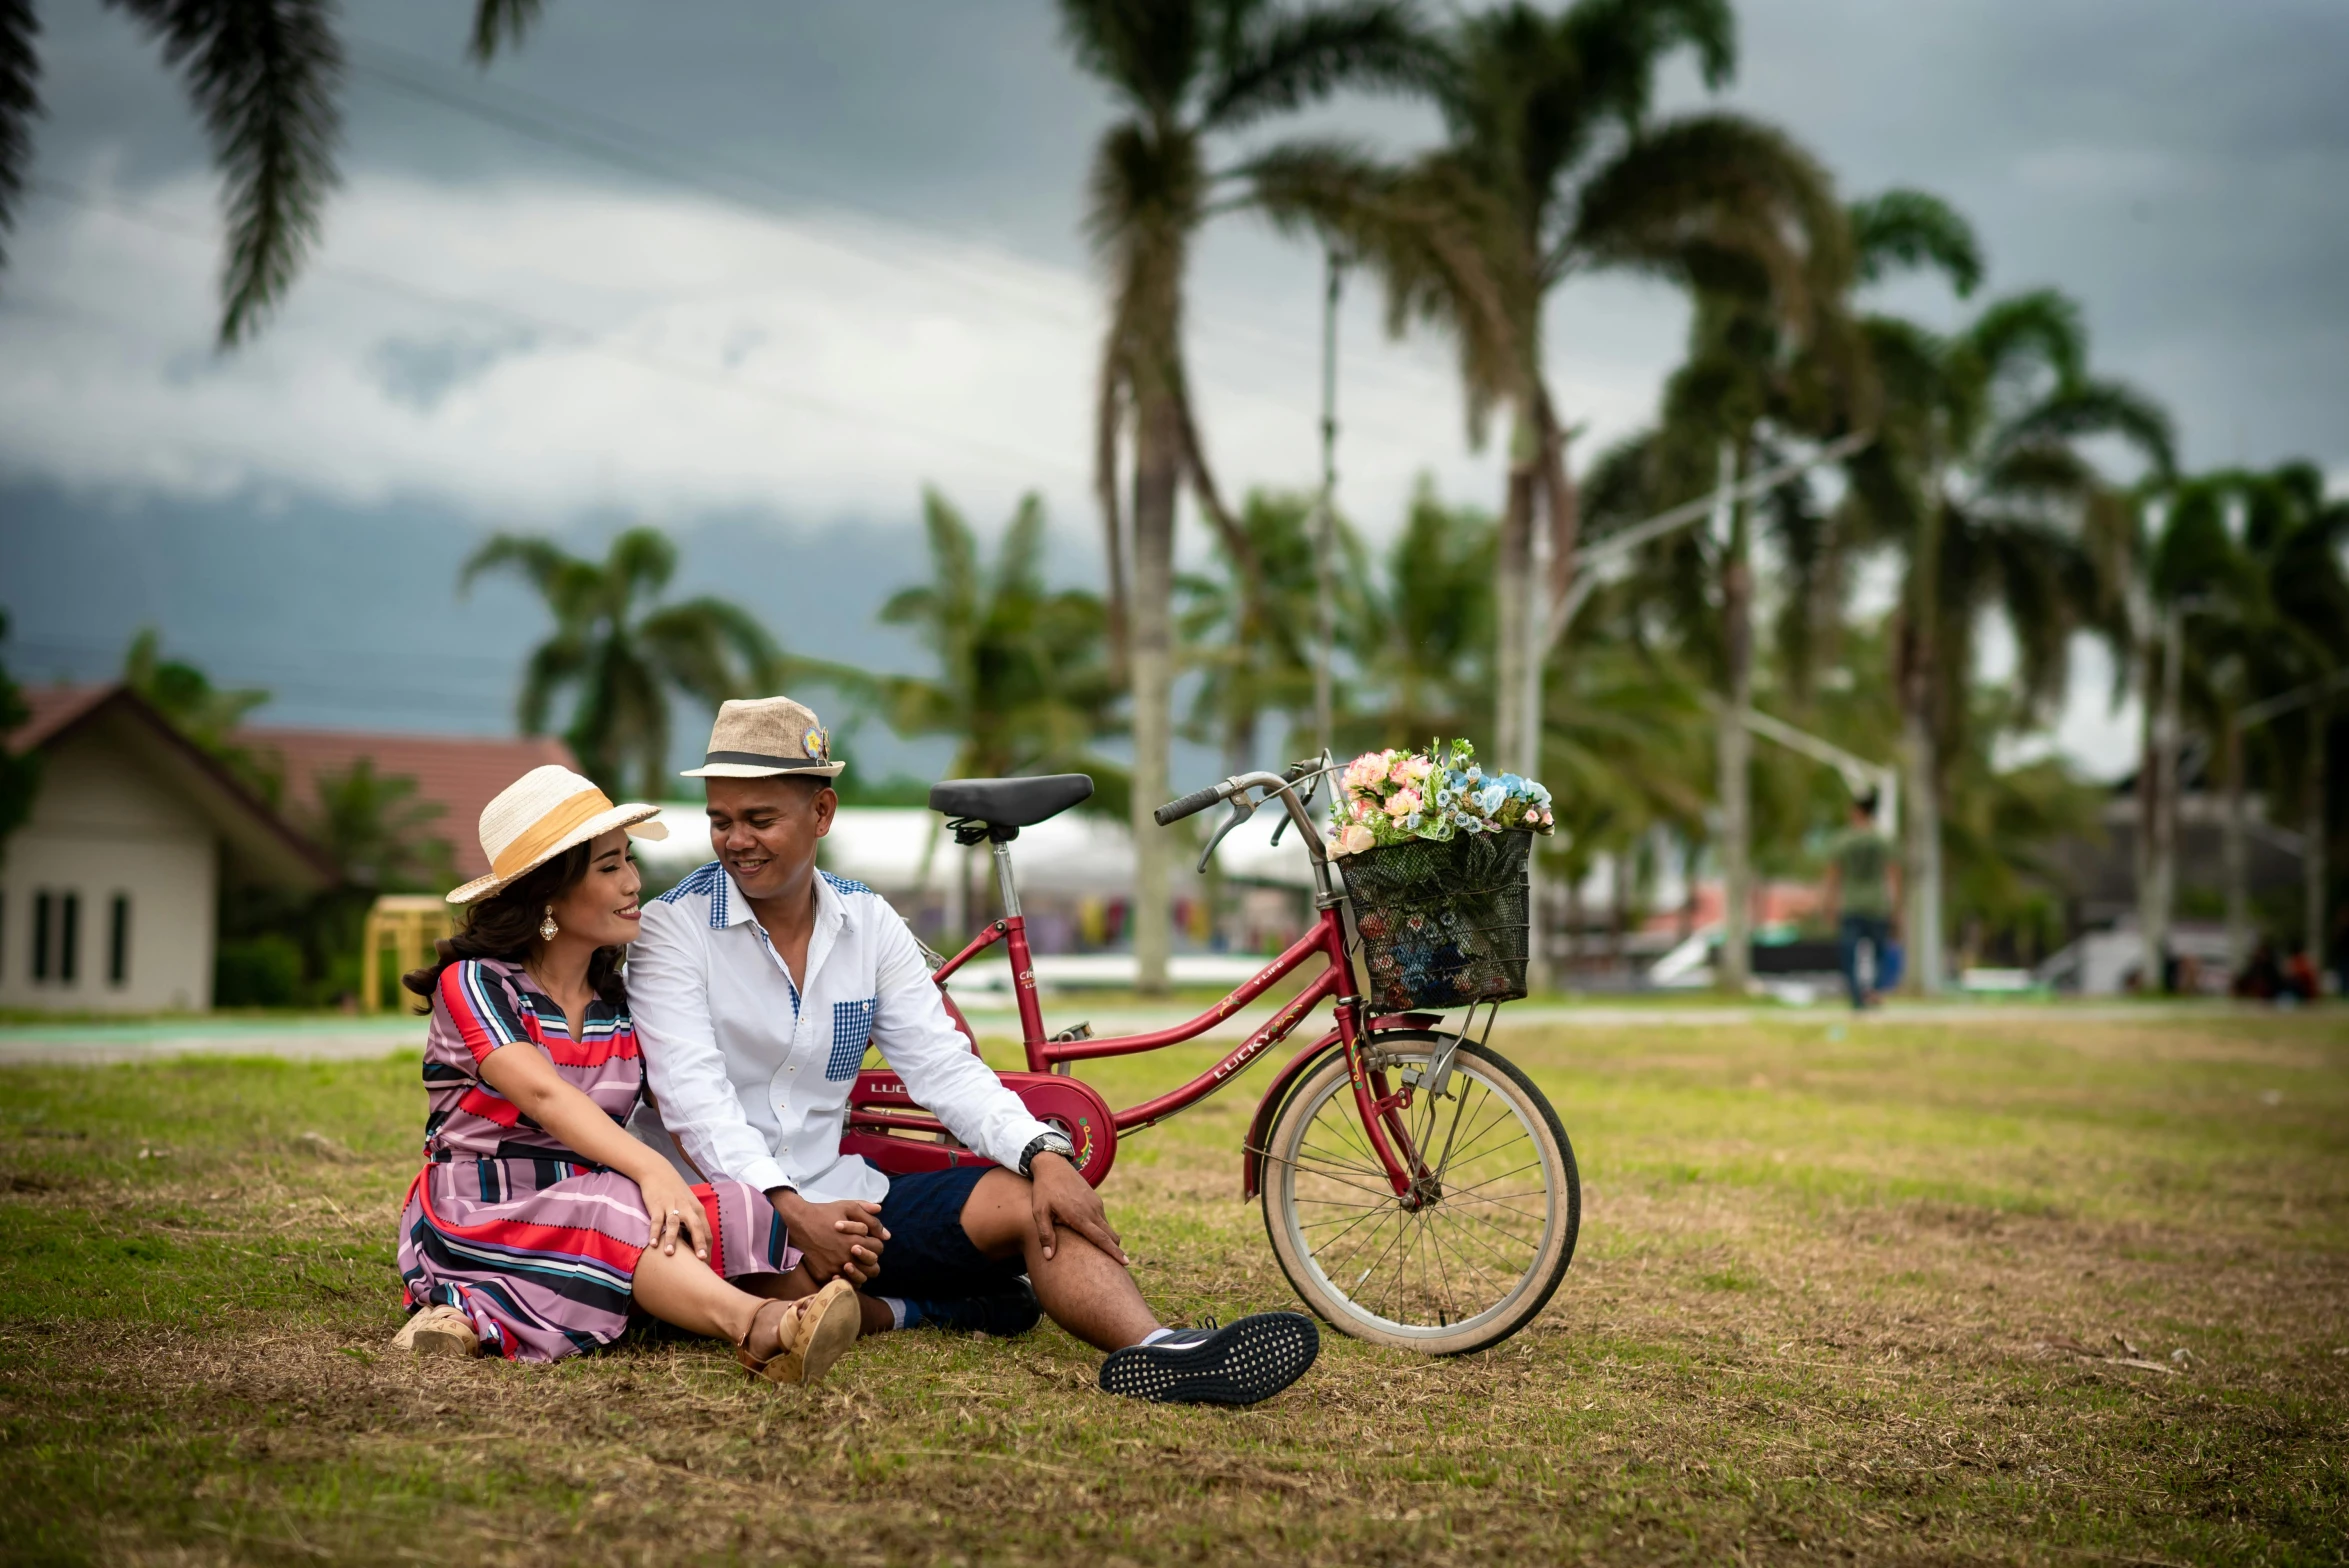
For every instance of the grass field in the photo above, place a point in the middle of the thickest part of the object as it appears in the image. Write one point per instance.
(2030, 1289)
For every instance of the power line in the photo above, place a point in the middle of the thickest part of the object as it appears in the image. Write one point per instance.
(181, 228)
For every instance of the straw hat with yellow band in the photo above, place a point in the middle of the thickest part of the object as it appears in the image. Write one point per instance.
(541, 814)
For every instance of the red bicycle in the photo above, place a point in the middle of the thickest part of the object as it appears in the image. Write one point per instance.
(1417, 1188)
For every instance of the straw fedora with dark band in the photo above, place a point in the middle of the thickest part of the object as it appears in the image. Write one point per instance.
(759, 737)
(541, 814)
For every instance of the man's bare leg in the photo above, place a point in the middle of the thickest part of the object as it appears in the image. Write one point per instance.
(1082, 1288)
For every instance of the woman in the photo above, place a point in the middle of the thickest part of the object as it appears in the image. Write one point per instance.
(537, 1220)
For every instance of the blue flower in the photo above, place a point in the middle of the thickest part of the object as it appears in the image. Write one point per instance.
(1490, 798)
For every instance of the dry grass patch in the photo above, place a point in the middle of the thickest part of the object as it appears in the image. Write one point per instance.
(1888, 1293)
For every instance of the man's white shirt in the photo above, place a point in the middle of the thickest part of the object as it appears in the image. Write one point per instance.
(752, 1068)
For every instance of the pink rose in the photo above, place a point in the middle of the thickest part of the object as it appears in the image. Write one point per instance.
(1354, 840)
(1403, 802)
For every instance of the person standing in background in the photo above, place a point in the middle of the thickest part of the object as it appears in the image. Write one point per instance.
(1863, 886)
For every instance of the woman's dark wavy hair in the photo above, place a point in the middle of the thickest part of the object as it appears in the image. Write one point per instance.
(505, 926)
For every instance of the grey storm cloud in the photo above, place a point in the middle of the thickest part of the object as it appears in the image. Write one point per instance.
(2175, 164)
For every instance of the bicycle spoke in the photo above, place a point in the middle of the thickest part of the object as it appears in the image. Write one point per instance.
(1506, 1116)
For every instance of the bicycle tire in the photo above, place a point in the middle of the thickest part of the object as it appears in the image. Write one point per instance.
(1300, 1173)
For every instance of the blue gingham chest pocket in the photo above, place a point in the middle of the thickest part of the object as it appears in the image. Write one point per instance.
(852, 1031)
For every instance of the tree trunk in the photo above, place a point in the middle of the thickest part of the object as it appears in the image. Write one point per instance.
(2157, 901)
(1688, 890)
(2232, 856)
(1514, 601)
(2312, 855)
(1928, 963)
(2146, 680)
(1158, 458)
(1734, 747)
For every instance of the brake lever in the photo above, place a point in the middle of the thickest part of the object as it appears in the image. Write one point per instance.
(1242, 810)
(1295, 773)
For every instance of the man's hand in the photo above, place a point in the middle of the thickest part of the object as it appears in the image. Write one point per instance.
(1060, 1196)
(843, 1238)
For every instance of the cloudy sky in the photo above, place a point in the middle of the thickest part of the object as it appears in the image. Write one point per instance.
(760, 269)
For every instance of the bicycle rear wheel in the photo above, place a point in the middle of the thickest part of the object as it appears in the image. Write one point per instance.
(1473, 1252)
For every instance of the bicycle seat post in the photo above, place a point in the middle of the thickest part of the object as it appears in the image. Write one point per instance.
(1003, 882)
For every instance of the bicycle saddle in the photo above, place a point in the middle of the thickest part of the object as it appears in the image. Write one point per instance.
(1011, 803)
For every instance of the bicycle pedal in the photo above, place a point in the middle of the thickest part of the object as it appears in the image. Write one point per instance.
(1072, 1033)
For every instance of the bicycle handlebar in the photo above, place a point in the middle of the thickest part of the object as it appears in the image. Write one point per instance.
(1190, 805)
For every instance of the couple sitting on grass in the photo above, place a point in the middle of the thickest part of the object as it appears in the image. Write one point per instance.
(641, 1108)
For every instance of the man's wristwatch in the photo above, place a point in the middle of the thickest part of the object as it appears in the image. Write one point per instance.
(1046, 1143)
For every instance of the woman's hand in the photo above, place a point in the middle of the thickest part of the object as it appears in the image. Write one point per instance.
(677, 1215)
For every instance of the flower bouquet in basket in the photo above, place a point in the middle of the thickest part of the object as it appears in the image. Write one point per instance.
(1433, 851)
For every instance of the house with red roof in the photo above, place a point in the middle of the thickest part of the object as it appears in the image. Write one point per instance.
(110, 891)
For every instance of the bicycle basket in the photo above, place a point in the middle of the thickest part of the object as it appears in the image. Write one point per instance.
(1442, 925)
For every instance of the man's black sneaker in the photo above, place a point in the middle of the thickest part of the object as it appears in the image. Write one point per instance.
(1004, 1315)
(1253, 1359)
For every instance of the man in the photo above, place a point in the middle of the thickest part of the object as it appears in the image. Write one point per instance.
(1862, 887)
(757, 984)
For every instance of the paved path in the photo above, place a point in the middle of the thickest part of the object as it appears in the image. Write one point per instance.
(332, 1038)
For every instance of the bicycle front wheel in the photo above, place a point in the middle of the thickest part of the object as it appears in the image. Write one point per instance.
(1474, 1250)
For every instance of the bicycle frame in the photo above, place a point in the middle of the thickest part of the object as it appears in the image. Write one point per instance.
(1326, 939)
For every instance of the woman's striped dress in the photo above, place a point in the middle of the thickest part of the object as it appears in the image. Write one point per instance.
(532, 1243)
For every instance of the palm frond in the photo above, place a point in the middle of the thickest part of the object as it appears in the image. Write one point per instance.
(263, 74)
(2101, 408)
(500, 24)
(1291, 59)
(20, 104)
(1149, 53)
(1711, 183)
(641, 560)
(2041, 330)
(540, 561)
(1914, 229)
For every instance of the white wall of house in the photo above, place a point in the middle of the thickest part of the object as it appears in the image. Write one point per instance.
(103, 828)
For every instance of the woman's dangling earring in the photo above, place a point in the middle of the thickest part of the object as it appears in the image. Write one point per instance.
(547, 927)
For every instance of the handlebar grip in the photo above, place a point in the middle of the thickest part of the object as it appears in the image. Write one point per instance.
(1190, 805)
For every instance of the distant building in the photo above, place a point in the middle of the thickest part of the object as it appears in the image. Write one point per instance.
(110, 892)
(458, 773)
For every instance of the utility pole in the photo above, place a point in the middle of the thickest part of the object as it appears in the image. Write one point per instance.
(1325, 517)
(1733, 748)
(2157, 896)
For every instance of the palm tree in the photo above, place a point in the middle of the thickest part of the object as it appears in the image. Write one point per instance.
(1184, 73)
(1422, 639)
(20, 774)
(264, 75)
(1246, 630)
(206, 714)
(1978, 486)
(1023, 684)
(1552, 169)
(2255, 557)
(1747, 388)
(621, 653)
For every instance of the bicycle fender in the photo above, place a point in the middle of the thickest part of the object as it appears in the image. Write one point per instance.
(1276, 1094)
(881, 1114)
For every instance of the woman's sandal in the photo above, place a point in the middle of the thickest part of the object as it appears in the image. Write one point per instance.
(815, 1332)
(439, 1331)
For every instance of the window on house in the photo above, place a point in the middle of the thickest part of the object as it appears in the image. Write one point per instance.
(69, 937)
(44, 929)
(118, 941)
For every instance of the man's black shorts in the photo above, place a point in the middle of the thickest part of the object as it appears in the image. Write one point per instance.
(929, 1256)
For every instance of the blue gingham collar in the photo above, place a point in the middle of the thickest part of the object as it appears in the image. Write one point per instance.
(728, 906)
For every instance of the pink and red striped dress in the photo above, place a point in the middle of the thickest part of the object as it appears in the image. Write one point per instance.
(535, 1245)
